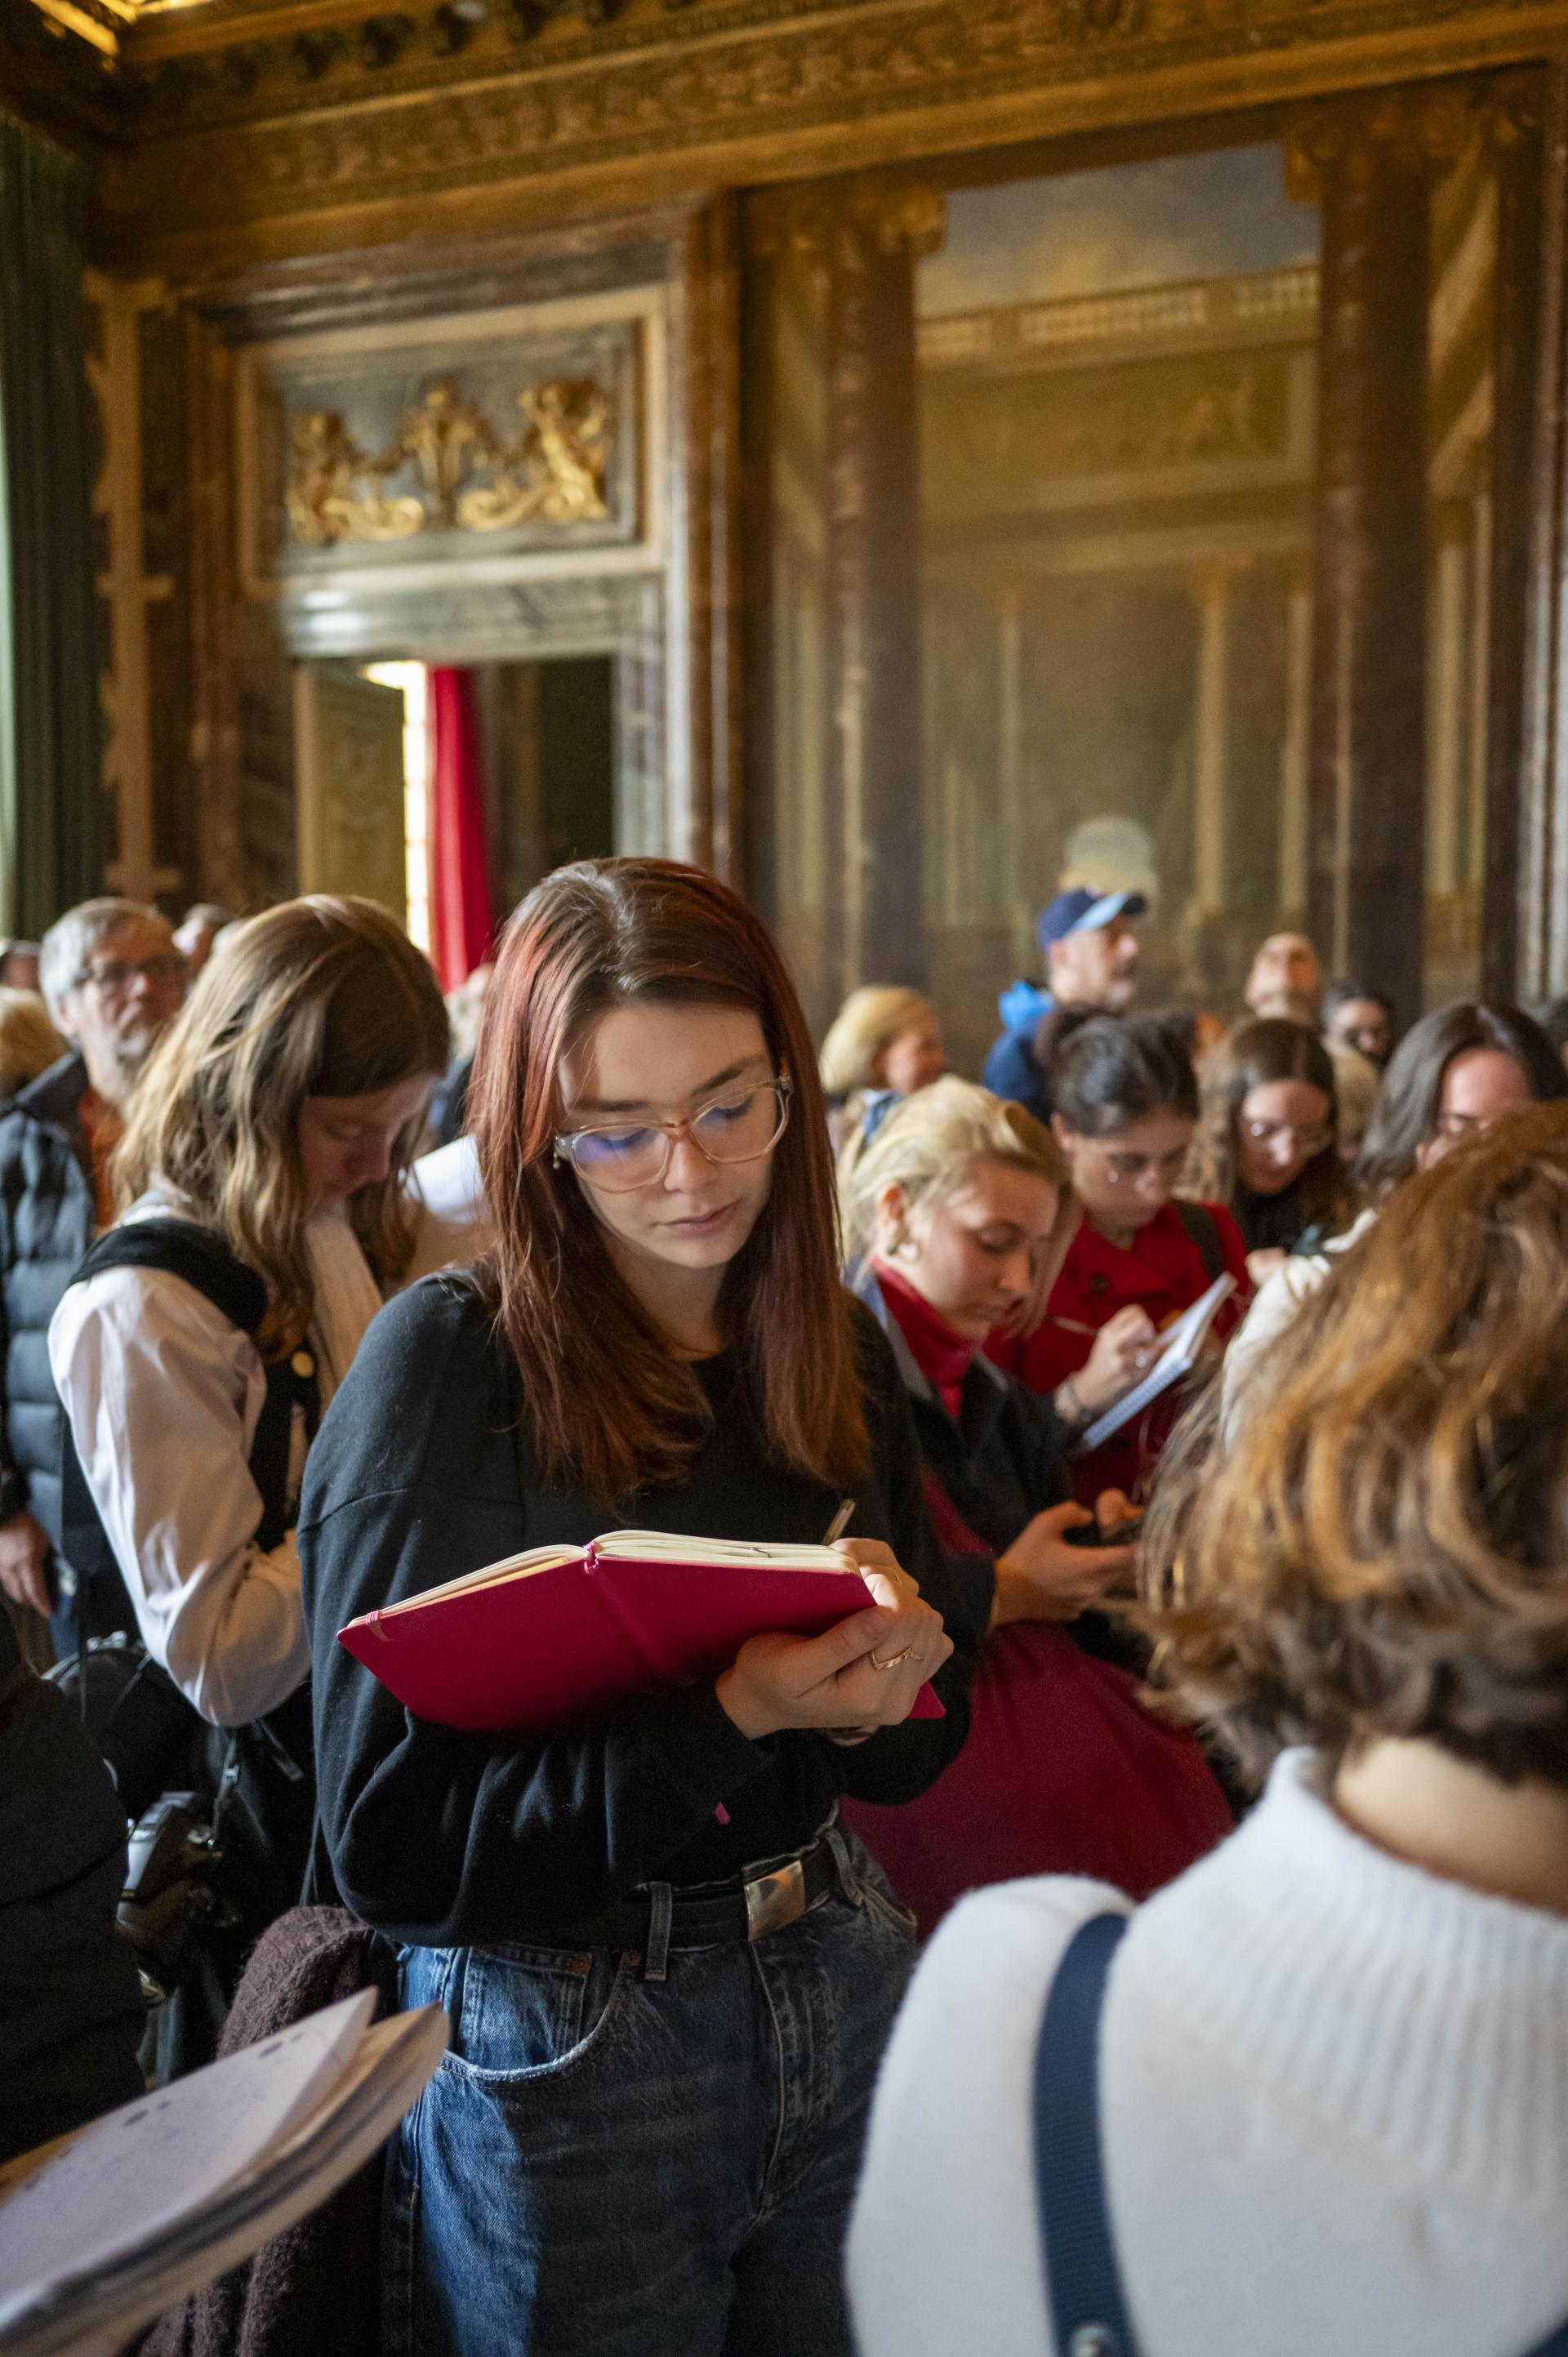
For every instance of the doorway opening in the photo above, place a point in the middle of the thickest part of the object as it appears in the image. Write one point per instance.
(446, 793)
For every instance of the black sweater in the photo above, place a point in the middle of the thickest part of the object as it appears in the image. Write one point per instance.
(420, 1473)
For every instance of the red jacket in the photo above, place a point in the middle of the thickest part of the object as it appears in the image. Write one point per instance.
(1162, 1271)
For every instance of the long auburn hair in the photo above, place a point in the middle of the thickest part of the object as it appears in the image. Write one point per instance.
(606, 1403)
(320, 996)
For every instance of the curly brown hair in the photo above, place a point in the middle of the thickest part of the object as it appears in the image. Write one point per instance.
(1384, 1550)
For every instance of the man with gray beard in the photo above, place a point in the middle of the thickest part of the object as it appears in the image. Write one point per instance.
(114, 981)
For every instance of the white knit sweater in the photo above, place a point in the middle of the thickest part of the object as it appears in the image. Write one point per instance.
(1334, 2112)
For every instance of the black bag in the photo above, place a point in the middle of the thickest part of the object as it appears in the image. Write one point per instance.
(224, 1819)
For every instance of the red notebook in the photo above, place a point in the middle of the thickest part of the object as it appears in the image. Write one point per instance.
(561, 1634)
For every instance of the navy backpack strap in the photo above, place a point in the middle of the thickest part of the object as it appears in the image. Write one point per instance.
(1088, 2315)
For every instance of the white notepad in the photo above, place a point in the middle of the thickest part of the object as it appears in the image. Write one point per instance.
(1178, 1356)
(102, 2229)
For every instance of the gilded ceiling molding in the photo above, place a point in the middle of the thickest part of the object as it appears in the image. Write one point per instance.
(1421, 125)
(768, 89)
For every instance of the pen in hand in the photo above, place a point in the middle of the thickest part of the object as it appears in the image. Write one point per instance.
(840, 1523)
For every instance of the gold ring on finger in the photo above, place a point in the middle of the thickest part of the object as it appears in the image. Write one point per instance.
(893, 1659)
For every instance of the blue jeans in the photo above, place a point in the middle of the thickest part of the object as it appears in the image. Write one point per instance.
(610, 2166)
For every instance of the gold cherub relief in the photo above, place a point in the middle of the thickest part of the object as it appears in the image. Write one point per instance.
(324, 507)
(553, 472)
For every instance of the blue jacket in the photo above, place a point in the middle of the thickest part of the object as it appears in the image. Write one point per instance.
(1012, 1068)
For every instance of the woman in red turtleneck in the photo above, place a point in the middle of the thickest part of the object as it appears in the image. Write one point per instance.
(958, 1208)
(1126, 1105)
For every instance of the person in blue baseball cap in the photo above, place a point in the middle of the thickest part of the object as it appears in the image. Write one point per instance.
(1091, 960)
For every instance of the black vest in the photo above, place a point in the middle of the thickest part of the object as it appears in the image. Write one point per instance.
(154, 1740)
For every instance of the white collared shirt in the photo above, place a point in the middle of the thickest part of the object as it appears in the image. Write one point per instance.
(163, 1397)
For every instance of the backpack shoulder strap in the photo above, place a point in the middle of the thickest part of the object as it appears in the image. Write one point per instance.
(1088, 2314)
(1203, 1229)
(1088, 2311)
(206, 1262)
(201, 1259)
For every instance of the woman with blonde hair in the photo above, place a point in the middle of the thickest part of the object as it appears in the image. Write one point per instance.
(263, 1220)
(958, 1213)
(885, 1043)
(1319, 2098)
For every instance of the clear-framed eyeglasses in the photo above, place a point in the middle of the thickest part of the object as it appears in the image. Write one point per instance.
(1303, 1137)
(740, 1126)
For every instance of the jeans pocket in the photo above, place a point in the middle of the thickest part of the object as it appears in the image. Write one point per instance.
(877, 1893)
(520, 2013)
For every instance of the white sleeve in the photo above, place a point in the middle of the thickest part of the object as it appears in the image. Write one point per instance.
(163, 1394)
(453, 1220)
(1273, 1313)
(944, 2245)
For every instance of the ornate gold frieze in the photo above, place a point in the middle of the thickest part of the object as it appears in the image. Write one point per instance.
(767, 78)
(551, 472)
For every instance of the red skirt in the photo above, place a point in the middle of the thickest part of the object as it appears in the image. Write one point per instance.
(1065, 1771)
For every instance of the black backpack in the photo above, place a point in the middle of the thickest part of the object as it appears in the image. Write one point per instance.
(223, 1818)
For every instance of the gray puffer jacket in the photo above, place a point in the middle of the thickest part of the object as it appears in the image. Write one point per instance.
(47, 1222)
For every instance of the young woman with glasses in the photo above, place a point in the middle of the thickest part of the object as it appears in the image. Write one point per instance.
(643, 2139)
(1126, 1105)
(1267, 1145)
(1458, 1070)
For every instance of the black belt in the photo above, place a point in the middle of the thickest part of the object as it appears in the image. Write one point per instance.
(764, 1901)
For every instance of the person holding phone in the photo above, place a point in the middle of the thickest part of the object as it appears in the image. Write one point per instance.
(668, 1969)
(960, 1210)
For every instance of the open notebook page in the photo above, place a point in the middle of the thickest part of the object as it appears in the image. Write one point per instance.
(659, 1547)
(671, 1547)
(510, 1566)
(123, 2177)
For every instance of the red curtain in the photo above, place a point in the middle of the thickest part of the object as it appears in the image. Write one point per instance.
(460, 878)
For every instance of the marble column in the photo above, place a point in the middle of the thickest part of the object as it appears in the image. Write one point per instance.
(872, 609)
(1211, 590)
(1515, 128)
(1295, 747)
(1012, 900)
(1366, 783)
(1448, 693)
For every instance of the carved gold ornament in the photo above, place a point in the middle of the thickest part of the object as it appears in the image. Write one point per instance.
(551, 472)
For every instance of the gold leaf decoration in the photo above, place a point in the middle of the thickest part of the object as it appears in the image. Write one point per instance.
(551, 472)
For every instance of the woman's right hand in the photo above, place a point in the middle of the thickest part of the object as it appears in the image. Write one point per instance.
(830, 1681)
(1041, 1577)
(1124, 1350)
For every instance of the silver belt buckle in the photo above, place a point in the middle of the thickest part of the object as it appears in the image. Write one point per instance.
(774, 1899)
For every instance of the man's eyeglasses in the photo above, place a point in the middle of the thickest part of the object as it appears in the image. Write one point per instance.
(118, 973)
(737, 1127)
